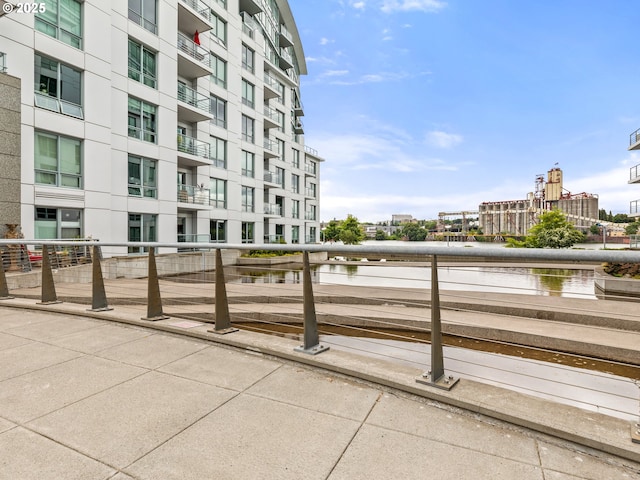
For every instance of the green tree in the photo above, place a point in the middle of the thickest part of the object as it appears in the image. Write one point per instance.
(553, 231)
(414, 232)
(621, 218)
(332, 231)
(381, 235)
(351, 233)
(632, 228)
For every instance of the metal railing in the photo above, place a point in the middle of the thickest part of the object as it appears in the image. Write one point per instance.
(193, 194)
(634, 173)
(195, 51)
(194, 98)
(193, 146)
(634, 137)
(272, 209)
(200, 8)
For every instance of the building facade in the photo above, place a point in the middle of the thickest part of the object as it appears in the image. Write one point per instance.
(634, 173)
(162, 120)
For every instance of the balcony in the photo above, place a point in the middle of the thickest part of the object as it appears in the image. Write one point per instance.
(274, 178)
(271, 148)
(634, 174)
(271, 89)
(310, 168)
(310, 192)
(272, 210)
(249, 25)
(192, 106)
(286, 39)
(634, 208)
(192, 152)
(634, 140)
(252, 7)
(286, 60)
(271, 118)
(298, 109)
(274, 239)
(310, 216)
(298, 127)
(193, 195)
(193, 15)
(193, 60)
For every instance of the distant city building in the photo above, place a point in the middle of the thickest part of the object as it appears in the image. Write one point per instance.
(634, 173)
(516, 217)
(156, 120)
(402, 218)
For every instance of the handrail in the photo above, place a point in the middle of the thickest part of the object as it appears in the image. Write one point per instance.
(634, 137)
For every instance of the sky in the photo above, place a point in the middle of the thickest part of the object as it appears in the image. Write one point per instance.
(423, 106)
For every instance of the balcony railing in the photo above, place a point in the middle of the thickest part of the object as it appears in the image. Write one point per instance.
(310, 168)
(634, 208)
(311, 151)
(193, 194)
(190, 48)
(634, 139)
(272, 146)
(310, 192)
(634, 174)
(273, 238)
(286, 37)
(271, 114)
(310, 216)
(273, 177)
(193, 146)
(272, 209)
(199, 7)
(191, 97)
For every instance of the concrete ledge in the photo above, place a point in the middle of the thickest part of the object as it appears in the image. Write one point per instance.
(609, 286)
(314, 257)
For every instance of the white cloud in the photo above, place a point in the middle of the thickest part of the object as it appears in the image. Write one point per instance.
(359, 5)
(390, 6)
(441, 139)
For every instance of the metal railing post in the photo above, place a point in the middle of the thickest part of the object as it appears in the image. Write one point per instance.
(223, 319)
(154, 302)
(311, 338)
(436, 376)
(98, 295)
(4, 287)
(49, 296)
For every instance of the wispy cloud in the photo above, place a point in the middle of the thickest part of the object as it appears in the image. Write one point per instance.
(429, 6)
(370, 78)
(441, 139)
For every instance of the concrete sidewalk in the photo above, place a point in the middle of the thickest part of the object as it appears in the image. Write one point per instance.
(85, 397)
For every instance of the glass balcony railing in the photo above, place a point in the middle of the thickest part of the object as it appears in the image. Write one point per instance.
(193, 146)
(193, 194)
(199, 7)
(272, 209)
(193, 50)
(634, 139)
(634, 174)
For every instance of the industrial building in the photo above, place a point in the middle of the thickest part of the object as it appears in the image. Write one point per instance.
(156, 120)
(516, 217)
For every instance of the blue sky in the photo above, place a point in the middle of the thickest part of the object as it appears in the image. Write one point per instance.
(422, 106)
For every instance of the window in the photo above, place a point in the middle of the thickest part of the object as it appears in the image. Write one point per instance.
(295, 209)
(280, 88)
(58, 223)
(295, 183)
(219, 75)
(58, 160)
(248, 56)
(218, 231)
(219, 111)
(61, 19)
(144, 13)
(280, 121)
(247, 129)
(58, 87)
(248, 199)
(280, 176)
(219, 31)
(218, 193)
(218, 152)
(142, 64)
(142, 177)
(248, 232)
(296, 158)
(222, 3)
(312, 235)
(295, 234)
(248, 164)
(280, 144)
(142, 228)
(248, 93)
(142, 120)
(311, 213)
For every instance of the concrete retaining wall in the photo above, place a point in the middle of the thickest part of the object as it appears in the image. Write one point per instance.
(608, 285)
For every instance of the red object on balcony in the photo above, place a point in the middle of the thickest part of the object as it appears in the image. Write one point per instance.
(196, 38)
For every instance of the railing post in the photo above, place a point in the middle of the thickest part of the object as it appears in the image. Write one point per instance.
(223, 319)
(311, 338)
(4, 288)
(98, 296)
(154, 302)
(436, 376)
(49, 296)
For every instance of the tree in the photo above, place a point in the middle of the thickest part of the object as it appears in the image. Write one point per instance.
(553, 231)
(350, 231)
(594, 229)
(632, 228)
(413, 232)
(332, 231)
(381, 235)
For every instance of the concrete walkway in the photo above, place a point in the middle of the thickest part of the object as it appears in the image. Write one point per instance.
(103, 396)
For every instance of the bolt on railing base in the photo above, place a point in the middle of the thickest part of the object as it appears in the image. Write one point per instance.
(223, 331)
(635, 433)
(444, 382)
(313, 350)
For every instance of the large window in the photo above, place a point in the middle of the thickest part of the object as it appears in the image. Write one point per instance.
(142, 177)
(218, 152)
(58, 160)
(144, 13)
(142, 228)
(295, 234)
(248, 93)
(248, 234)
(248, 164)
(219, 75)
(142, 120)
(248, 133)
(295, 183)
(61, 19)
(296, 158)
(248, 56)
(295, 209)
(55, 223)
(142, 64)
(218, 231)
(219, 31)
(58, 87)
(219, 111)
(248, 195)
(218, 193)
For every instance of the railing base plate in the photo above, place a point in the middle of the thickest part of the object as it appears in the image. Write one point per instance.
(155, 319)
(103, 309)
(53, 302)
(7, 298)
(223, 331)
(444, 382)
(313, 350)
(635, 433)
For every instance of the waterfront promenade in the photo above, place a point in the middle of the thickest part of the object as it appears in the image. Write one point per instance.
(105, 395)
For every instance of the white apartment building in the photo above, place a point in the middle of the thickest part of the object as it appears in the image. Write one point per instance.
(162, 120)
